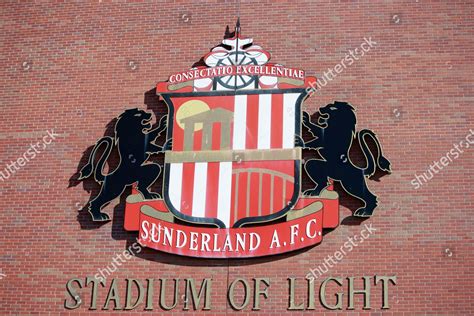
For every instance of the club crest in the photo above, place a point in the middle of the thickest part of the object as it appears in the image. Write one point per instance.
(233, 160)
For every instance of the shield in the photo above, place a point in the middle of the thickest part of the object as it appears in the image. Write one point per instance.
(233, 161)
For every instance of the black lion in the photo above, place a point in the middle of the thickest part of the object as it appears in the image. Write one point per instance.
(334, 133)
(134, 141)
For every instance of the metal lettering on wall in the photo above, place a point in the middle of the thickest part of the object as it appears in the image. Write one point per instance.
(232, 173)
(165, 294)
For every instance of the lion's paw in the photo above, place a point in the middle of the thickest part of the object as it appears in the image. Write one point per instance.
(363, 212)
(168, 145)
(155, 195)
(152, 196)
(100, 217)
(312, 192)
(299, 142)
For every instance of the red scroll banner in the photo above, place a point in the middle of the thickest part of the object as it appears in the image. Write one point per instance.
(299, 228)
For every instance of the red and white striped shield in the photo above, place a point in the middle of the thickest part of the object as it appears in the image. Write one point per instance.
(233, 160)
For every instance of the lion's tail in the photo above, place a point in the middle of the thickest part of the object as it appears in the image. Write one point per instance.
(91, 167)
(382, 162)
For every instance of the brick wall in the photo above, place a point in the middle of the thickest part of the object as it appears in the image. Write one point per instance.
(74, 67)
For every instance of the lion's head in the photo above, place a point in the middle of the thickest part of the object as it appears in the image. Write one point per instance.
(337, 115)
(338, 121)
(132, 122)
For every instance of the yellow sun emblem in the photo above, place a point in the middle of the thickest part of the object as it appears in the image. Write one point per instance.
(191, 108)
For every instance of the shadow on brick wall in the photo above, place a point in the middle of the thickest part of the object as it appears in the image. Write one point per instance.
(89, 185)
